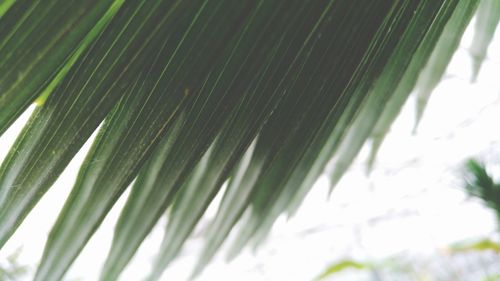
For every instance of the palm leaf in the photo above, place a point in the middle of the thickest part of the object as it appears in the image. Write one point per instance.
(188, 95)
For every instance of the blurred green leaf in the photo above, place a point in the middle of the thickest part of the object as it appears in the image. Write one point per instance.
(13, 270)
(480, 184)
(341, 266)
(495, 277)
(478, 246)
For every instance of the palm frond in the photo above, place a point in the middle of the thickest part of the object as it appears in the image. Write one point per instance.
(189, 95)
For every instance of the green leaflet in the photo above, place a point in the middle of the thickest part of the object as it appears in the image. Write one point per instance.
(29, 32)
(181, 221)
(230, 209)
(487, 18)
(435, 68)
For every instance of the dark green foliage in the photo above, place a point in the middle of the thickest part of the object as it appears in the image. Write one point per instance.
(190, 95)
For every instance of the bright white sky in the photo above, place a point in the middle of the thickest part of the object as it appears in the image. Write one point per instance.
(411, 203)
